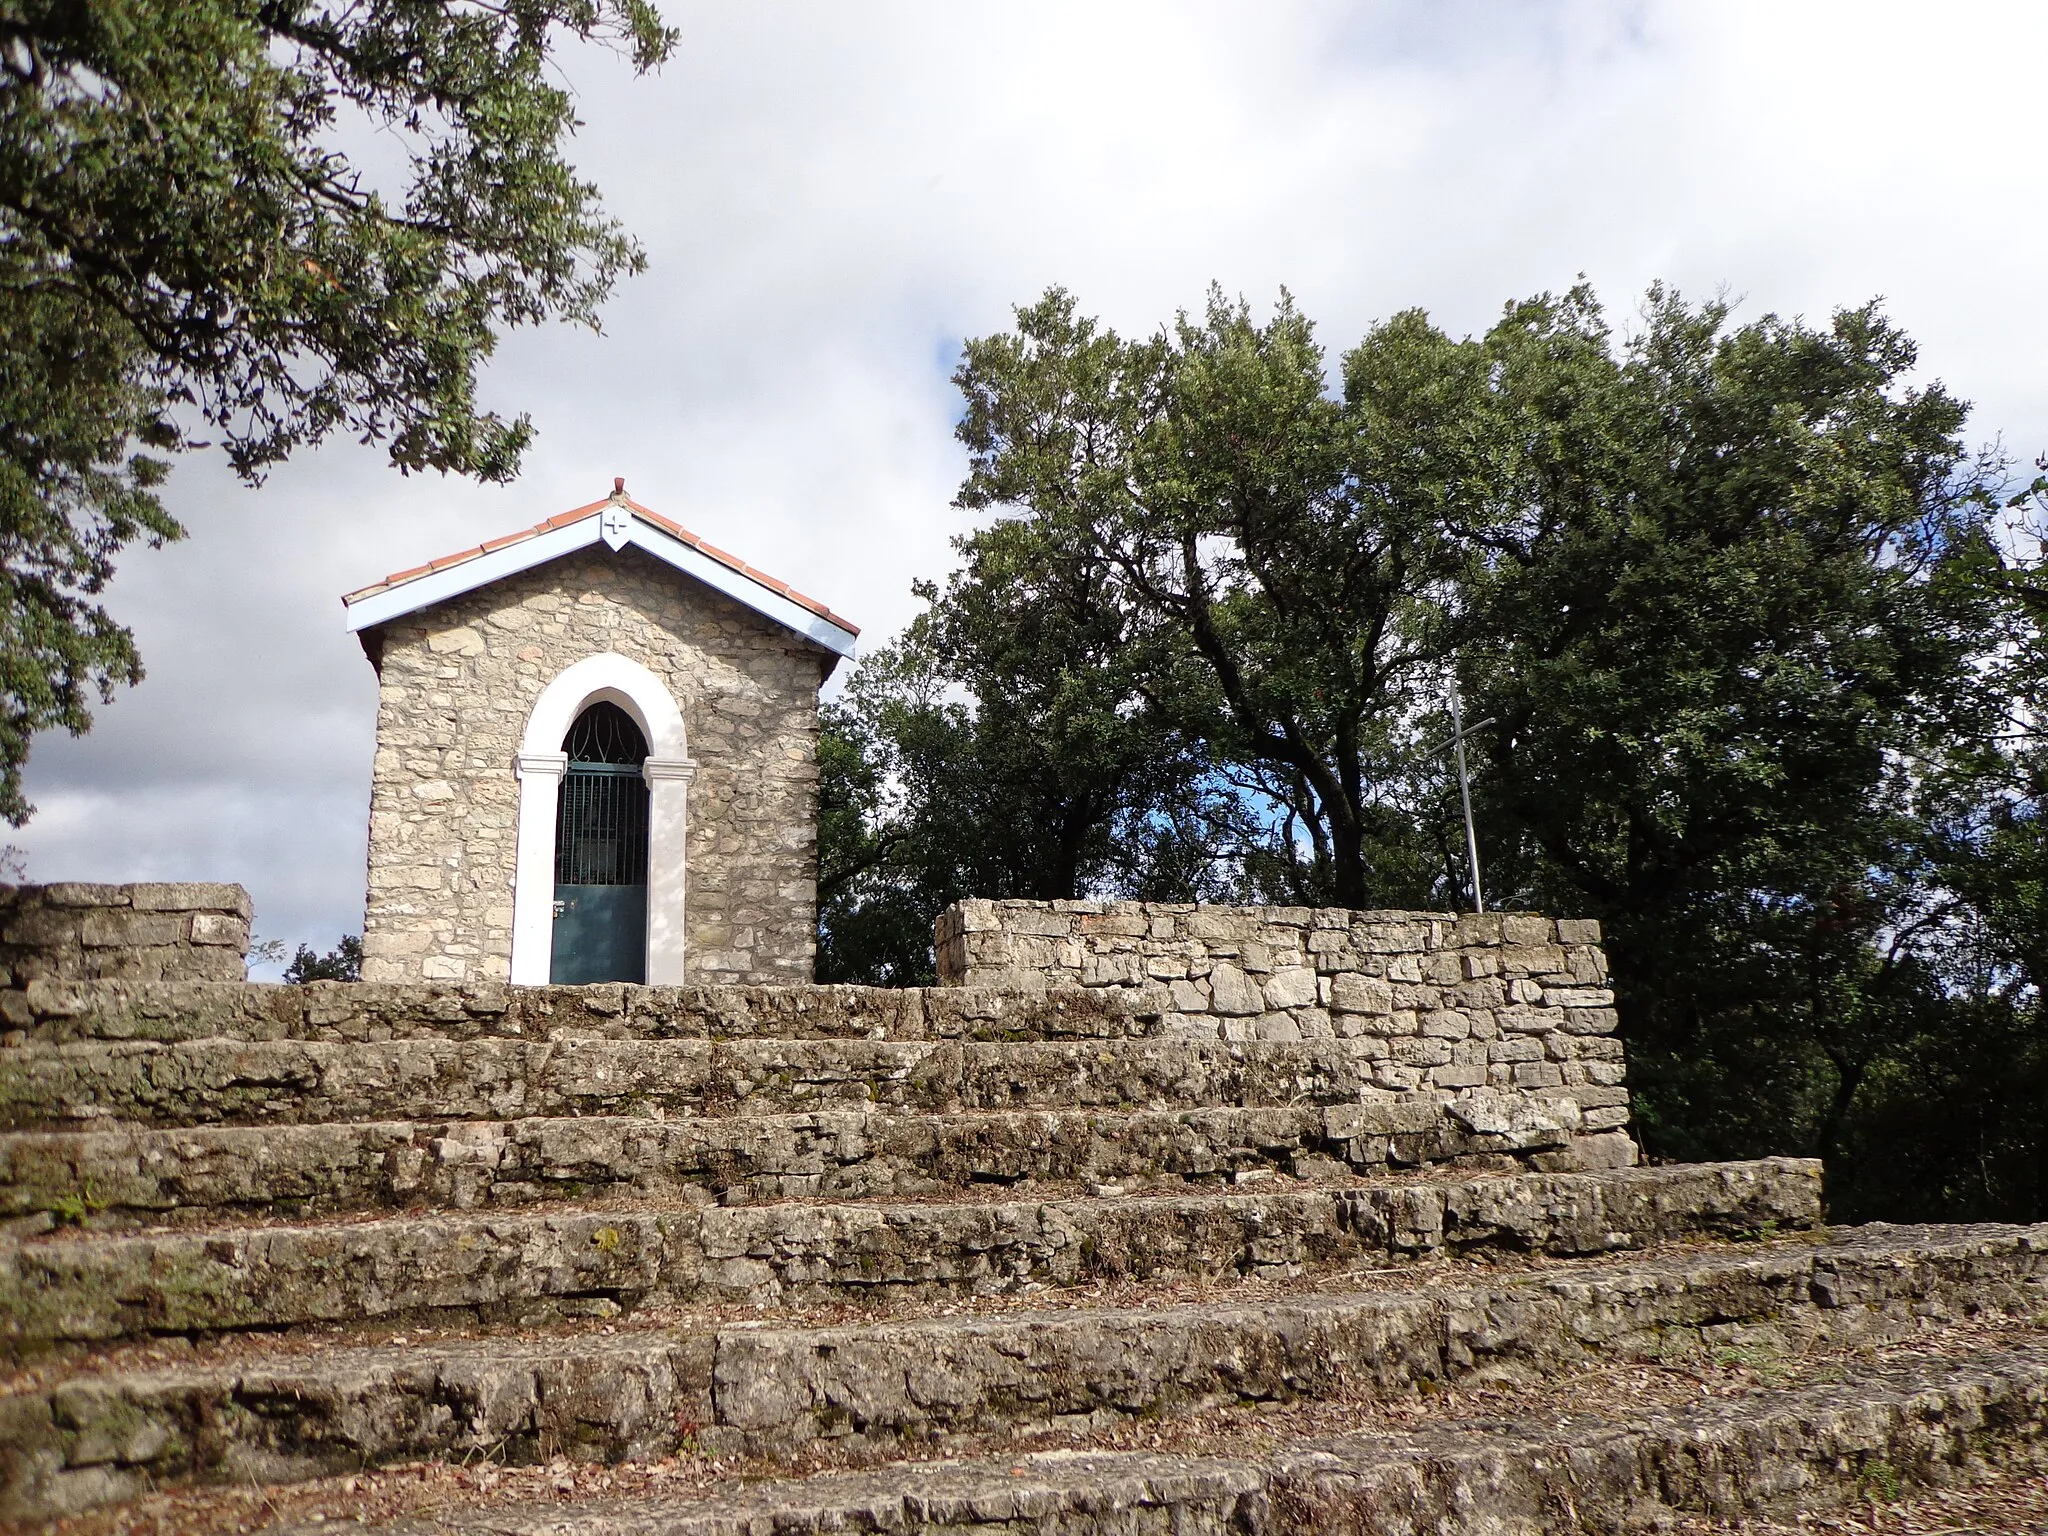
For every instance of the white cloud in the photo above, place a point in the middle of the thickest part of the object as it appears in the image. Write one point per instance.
(832, 195)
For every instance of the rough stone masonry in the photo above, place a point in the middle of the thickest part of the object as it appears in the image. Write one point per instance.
(1491, 1015)
(456, 684)
(76, 932)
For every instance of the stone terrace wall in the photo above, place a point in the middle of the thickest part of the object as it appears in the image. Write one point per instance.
(1458, 1003)
(76, 932)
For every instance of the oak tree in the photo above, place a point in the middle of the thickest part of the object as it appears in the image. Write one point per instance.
(207, 237)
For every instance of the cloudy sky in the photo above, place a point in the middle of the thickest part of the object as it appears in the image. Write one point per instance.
(833, 193)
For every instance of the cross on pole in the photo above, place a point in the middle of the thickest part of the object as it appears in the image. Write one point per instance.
(1456, 742)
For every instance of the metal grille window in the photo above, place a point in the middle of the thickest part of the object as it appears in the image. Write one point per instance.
(601, 818)
(605, 733)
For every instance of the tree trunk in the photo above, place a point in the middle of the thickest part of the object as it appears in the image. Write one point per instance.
(1347, 858)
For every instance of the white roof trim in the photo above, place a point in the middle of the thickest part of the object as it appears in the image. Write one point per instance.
(438, 586)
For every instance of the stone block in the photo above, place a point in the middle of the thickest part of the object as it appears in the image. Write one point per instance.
(1529, 1021)
(1416, 1051)
(1591, 1021)
(1360, 994)
(1522, 929)
(1396, 938)
(190, 897)
(1487, 994)
(112, 928)
(1115, 923)
(78, 893)
(1314, 1024)
(1105, 970)
(1445, 1024)
(1294, 987)
(974, 916)
(459, 641)
(1039, 923)
(43, 927)
(1232, 992)
(1476, 929)
(1598, 1096)
(1578, 930)
(218, 928)
(1577, 997)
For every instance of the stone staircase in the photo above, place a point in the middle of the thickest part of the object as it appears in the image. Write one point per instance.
(730, 1260)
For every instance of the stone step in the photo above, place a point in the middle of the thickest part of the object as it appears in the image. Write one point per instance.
(86, 1287)
(56, 1011)
(944, 1383)
(274, 1081)
(126, 1175)
(1911, 1420)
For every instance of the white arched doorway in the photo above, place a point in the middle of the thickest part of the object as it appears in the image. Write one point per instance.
(541, 764)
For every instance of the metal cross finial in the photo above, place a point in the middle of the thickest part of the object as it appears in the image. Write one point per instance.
(1457, 743)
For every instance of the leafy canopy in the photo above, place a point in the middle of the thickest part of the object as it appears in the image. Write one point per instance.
(1762, 660)
(254, 224)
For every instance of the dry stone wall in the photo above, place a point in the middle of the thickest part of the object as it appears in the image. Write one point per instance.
(1497, 1014)
(74, 932)
(456, 684)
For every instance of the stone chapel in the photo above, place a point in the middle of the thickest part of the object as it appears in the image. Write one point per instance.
(596, 759)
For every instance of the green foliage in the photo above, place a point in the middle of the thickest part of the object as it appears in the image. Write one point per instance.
(1760, 637)
(77, 1208)
(946, 774)
(1741, 601)
(187, 247)
(1273, 551)
(344, 962)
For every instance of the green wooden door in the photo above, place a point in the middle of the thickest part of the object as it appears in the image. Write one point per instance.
(600, 875)
(600, 934)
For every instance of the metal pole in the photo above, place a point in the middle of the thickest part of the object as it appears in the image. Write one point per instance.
(1465, 794)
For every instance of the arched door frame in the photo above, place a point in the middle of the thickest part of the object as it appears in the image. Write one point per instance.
(610, 678)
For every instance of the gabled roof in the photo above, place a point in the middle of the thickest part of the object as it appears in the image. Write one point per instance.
(617, 521)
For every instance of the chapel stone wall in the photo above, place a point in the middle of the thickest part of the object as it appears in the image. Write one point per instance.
(457, 682)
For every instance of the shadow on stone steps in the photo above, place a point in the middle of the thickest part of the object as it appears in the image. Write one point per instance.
(1887, 1426)
(937, 1383)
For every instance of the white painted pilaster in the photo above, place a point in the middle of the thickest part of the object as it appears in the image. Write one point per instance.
(533, 885)
(668, 827)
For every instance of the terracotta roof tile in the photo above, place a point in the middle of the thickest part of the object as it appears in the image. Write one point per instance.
(564, 519)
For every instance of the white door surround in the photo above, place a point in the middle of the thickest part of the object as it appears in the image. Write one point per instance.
(540, 764)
